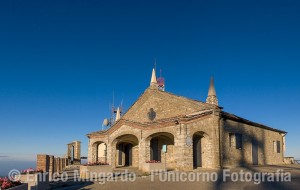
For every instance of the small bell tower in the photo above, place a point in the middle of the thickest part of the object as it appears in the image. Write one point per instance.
(212, 95)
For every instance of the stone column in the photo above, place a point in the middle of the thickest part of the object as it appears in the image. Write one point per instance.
(43, 162)
(57, 160)
(51, 167)
(77, 150)
(216, 140)
(112, 154)
(66, 162)
(90, 152)
(54, 165)
(60, 164)
(182, 151)
(109, 153)
(63, 163)
(144, 152)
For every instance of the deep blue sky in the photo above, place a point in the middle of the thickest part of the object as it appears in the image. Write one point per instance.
(60, 62)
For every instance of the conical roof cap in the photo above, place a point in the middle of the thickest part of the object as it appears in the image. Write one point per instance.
(212, 90)
(118, 115)
(153, 78)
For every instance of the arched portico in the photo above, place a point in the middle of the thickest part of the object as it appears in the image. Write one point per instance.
(160, 148)
(100, 152)
(126, 151)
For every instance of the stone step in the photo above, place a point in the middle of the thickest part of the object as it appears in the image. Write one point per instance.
(71, 174)
(129, 170)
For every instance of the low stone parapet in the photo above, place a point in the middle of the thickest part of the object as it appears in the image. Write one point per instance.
(148, 167)
(92, 172)
(37, 181)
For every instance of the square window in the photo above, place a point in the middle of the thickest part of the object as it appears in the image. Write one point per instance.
(278, 146)
(238, 141)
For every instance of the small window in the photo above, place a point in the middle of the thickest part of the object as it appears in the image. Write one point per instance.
(231, 139)
(238, 141)
(278, 146)
(274, 146)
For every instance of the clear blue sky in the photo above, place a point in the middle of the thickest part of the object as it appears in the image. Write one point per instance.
(61, 60)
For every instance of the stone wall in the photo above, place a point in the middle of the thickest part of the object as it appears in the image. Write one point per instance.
(267, 154)
(43, 162)
(208, 128)
(179, 155)
(216, 151)
(74, 151)
(50, 164)
(165, 105)
(182, 120)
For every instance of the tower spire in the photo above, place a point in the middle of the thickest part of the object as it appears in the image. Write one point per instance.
(153, 82)
(212, 95)
(118, 115)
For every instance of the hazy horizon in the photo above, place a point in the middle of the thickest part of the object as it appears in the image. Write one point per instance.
(8, 165)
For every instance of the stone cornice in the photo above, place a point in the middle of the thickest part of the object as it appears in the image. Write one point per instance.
(162, 123)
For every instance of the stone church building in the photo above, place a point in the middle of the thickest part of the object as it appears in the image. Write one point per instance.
(184, 134)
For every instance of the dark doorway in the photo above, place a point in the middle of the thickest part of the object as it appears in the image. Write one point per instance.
(128, 155)
(72, 155)
(126, 151)
(120, 148)
(155, 153)
(254, 152)
(197, 155)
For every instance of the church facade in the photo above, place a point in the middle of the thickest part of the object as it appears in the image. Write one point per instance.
(184, 134)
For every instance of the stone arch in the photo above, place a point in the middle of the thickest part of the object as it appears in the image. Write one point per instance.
(202, 150)
(171, 132)
(125, 151)
(99, 152)
(160, 148)
(74, 153)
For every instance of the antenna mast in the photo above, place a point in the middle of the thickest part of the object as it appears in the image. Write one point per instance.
(161, 82)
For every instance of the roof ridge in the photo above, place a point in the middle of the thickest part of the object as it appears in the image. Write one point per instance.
(246, 121)
(190, 99)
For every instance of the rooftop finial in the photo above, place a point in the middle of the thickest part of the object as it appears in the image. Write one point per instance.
(212, 95)
(212, 90)
(153, 82)
(118, 115)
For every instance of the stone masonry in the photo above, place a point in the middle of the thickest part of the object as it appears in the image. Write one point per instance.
(74, 152)
(193, 133)
(50, 164)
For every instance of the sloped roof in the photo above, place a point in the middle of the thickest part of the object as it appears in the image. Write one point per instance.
(233, 117)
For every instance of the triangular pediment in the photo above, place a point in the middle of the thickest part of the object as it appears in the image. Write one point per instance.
(155, 105)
